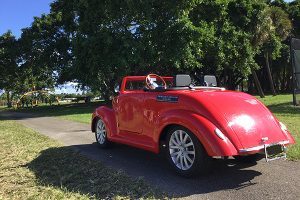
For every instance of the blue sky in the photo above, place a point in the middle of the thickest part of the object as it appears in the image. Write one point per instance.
(17, 14)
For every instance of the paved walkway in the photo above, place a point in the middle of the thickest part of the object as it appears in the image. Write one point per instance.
(228, 180)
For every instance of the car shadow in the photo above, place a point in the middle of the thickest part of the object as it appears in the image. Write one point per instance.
(224, 175)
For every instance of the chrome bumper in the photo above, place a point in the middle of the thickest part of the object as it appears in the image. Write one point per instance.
(261, 147)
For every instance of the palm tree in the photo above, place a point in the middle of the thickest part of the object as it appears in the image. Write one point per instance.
(273, 27)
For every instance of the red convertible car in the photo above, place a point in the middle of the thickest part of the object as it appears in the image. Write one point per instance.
(191, 124)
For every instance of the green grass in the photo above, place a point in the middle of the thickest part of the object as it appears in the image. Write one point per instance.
(3, 108)
(281, 106)
(79, 112)
(33, 166)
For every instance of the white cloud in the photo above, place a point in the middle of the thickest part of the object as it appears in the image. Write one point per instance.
(69, 88)
(72, 84)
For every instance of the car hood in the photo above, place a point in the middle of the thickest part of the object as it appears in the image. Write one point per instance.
(244, 116)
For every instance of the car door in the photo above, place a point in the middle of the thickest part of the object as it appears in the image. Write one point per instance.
(130, 112)
(157, 103)
(152, 110)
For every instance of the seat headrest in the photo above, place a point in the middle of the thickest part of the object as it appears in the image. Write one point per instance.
(182, 80)
(210, 81)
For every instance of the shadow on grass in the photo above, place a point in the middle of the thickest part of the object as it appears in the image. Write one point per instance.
(61, 168)
(66, 169)
(284, 108)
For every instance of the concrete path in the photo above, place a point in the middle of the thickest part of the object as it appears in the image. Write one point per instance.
(228, 179)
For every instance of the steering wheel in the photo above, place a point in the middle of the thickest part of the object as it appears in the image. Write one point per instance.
(151, 81)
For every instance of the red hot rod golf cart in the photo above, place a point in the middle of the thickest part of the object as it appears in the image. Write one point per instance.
(192, 124)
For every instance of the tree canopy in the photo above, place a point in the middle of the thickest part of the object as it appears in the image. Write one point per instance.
(96, 43)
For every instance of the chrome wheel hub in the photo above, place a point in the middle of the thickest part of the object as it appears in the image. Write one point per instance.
(100, 132)
(182, 150)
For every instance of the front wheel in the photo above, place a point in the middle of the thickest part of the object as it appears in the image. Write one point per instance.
(185, 153)
(101, 134)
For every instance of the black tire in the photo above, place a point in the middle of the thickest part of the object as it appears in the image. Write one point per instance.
(249, 158)
(101, 139)
(201, 161)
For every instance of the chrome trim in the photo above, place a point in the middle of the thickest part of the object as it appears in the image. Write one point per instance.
(209, 88)
(280, 156)
(256, 148)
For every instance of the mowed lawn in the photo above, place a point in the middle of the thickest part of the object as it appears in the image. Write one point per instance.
(79, 112)
(32, 166)
(281, 106)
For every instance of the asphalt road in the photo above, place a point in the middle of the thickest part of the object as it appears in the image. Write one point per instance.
(227, 180)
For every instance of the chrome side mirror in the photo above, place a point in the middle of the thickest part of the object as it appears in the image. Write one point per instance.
(117, 89)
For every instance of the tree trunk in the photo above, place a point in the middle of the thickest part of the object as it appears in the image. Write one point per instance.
(288, 86)
(9, 104)
(250, 85)
(256, 81)
(283, 80)
(238, 82)
(269, 74)
(107, 97)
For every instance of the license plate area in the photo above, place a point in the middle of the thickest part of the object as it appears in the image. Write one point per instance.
(274, 152)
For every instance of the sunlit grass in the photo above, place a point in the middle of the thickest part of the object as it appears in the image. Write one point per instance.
(281, 106)
(79, 112)
(33, 166)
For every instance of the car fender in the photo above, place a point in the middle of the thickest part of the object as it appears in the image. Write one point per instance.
(108, 117)
(201, 127)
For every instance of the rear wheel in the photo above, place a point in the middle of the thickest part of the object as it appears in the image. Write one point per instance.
(185, 153)
(101, 134)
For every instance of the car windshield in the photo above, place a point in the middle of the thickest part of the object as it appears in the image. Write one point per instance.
(178, 82)
(132, 85)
